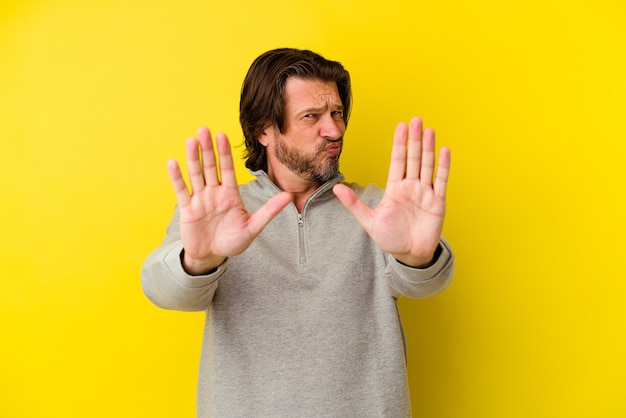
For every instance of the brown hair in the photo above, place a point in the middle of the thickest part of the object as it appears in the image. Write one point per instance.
(263, 94)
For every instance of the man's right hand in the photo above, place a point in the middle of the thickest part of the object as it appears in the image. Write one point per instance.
(214, 223)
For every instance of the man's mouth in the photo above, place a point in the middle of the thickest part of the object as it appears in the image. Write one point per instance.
(334, 148)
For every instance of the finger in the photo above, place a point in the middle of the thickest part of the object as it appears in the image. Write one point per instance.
(267, 212)
(428, 157)
(397, 165)
(208, 157)
(194, 166)
(227, 169)
(180, 188)
(443, 172)
(414, 151)
(351, 201)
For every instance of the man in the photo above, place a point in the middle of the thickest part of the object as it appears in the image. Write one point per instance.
(297, 273)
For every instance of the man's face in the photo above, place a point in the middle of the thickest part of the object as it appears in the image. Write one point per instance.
(312, 142)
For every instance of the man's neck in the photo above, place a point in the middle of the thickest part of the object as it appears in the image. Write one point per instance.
(299, 188)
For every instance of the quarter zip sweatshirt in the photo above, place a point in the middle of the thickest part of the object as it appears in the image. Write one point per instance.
(304, 323)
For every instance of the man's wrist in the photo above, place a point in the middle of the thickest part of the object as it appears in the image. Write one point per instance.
(200, 267)
(420, 262)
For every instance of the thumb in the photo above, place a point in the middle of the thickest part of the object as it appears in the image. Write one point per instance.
(355, 205)
(267, 212)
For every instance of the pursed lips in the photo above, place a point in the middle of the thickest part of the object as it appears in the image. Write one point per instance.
(334, 148)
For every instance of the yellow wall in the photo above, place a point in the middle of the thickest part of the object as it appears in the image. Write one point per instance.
(95, 96)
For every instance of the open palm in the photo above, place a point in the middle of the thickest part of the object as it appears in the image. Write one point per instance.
(408, 221)
(214, 223)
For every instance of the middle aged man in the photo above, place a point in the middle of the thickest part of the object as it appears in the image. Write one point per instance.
(298, 271)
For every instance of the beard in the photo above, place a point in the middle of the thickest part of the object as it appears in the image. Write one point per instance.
(318, 166)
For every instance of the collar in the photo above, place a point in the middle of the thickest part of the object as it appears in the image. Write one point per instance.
(264, 186)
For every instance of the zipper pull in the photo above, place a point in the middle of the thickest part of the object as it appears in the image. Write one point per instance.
(300, 221)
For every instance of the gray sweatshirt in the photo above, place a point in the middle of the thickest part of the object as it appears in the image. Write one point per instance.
(304, 323)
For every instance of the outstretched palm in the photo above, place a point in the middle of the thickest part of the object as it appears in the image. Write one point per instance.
(408, 221)
(214, 223)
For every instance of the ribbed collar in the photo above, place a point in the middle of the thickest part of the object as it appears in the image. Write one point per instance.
(266, 188)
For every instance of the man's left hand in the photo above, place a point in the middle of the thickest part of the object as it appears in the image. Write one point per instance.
(409, 219)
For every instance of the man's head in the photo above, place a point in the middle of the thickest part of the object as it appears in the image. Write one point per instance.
(263, 96)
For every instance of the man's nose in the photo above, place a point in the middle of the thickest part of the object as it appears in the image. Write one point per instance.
(332, 128)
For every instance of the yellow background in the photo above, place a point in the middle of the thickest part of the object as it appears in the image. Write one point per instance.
(95, 96)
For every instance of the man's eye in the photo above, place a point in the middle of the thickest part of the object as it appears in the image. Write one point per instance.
(337, 114)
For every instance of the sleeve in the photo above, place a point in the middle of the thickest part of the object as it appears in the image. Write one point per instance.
(166, 283)
(419, 283)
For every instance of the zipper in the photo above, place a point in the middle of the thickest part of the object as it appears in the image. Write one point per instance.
(302, 258)
(302, 253)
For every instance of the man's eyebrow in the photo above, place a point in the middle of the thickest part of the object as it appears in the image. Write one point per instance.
(319, 109)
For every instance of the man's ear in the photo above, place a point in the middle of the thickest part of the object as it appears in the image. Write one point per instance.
(266, 136)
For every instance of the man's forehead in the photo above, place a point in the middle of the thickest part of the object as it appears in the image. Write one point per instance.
(315, 91)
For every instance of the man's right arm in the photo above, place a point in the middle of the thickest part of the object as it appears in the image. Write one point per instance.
(166, 282)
